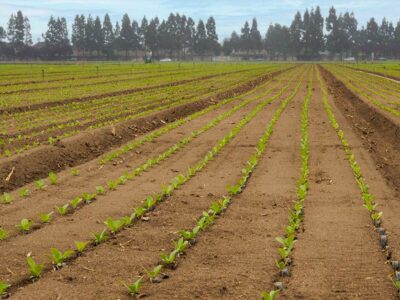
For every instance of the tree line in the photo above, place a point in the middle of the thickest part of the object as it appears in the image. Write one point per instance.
(308, 37)
(178, 36)
(305, 38)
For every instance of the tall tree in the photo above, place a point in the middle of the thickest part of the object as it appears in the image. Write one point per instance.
(90, 43)
(200, 38)
(245, 38)
(212, 37)
(255, 37)
(78, 33)
(372, 35)
(98, 37)
(16, 32)
(296, 35)
(108, 35)
(126, 35)
(56, 38)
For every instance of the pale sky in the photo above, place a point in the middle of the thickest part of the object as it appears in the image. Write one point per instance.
(229, 14)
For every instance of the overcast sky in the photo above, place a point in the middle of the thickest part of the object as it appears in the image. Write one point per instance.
(229, 14)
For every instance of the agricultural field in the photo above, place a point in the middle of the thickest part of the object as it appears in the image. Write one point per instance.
(199, 181)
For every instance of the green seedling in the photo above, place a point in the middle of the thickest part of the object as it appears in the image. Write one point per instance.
(75, 202)
(46, 218)
(114, 225)
(134, 288)
(376, 216)
(189, 235)
(7, 199)
(280, 264)
(75, 172)
(112, 185)
(88, 197)
(51, 140)
(153, 273)
(34, 268)
(100, 237)
(286, 242)
(167, 190)
(25, 225)
(269, 295)
(81, 246)
(181, 245)
(40, 184)
(100, 190)
(53, 178)
(284, 252)
(62, 210)
(127, 220)
(169, 259)
(150, 202)
(370, 206)
(234, 189)
(3, 234)
(59, 257)
(3, 288)
(24, 193)
(122, 180)
(139, 212)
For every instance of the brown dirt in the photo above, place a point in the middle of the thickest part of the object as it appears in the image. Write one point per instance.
(137, 248)
(338, 255)
(379, 131)
(37, 163)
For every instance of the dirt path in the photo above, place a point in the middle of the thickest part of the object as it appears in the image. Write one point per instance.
(338, 255)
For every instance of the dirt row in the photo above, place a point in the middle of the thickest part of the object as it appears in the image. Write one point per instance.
(37, 163)
(199, 190)
(379, 130)
(376, 73)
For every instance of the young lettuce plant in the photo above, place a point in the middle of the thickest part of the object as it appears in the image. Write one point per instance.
(53, 178)
(59, 257)
(88, 197)
(269, 295)
(75, 202)
(46, 218)
(100, 190)
(3, 288)
(114, 225)
(134, 288)
(181, 245)
(112, 185)
(100, 237)
(169, 259)
(62, 210)
(3, 234)
(40, 184)
(24, 193)
(34, 268)
(153, 274)
(75, 172)
(7, 199)
(80, 246)
(25, 225)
